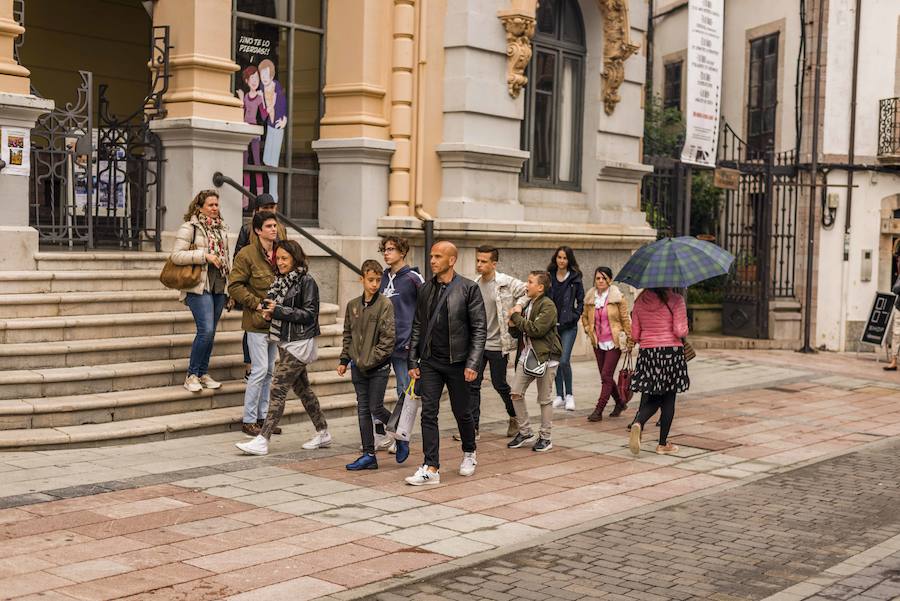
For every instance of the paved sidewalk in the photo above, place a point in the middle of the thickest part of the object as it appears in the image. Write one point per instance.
(193, 519)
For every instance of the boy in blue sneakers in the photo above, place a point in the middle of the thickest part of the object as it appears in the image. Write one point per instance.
(369, 339)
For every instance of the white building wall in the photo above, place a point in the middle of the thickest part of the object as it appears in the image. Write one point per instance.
(839, 321)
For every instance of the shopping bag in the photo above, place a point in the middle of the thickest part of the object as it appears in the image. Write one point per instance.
(624, 381)
(403, 417)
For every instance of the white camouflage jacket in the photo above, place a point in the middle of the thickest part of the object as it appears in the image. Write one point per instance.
(510, 292)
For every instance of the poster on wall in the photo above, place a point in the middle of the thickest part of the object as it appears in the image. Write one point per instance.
(264, 99)
(703, 82)
(15, 150)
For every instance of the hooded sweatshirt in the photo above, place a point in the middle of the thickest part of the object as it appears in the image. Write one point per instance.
(652, 325)
(402, 289)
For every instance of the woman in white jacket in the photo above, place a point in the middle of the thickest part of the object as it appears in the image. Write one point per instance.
(204, 229)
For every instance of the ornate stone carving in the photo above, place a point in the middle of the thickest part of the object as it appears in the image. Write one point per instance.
(617, 47)
(519, 30)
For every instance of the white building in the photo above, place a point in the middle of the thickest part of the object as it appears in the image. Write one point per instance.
(769, 67)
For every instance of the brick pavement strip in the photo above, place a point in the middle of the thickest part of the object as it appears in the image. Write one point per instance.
(810, 519)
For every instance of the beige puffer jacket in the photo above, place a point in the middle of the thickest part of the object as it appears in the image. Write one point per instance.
(181, 255)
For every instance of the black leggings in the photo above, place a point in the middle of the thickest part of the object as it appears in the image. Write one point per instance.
(665, 404)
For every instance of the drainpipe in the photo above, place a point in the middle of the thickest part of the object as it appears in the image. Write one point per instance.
(813, 170)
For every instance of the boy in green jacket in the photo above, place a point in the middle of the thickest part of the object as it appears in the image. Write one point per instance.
(535, 327)
(369, 338)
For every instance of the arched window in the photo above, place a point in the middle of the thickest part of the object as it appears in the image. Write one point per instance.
(554, 97)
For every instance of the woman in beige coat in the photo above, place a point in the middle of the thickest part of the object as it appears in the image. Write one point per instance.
(204, 229)
(608, 326)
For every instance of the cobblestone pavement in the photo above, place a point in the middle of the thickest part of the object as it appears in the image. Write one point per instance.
(745, 543)
(193, 520)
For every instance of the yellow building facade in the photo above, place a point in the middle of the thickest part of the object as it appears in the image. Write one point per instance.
(500, 121)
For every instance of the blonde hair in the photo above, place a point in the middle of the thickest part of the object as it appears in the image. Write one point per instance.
(198, 202)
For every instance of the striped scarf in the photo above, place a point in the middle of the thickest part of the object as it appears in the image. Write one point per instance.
(277, 292)
(216, 233)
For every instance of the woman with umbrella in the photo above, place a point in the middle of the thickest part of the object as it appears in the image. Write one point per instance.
(659, 324)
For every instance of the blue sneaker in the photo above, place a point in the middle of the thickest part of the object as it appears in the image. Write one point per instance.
(402, 450)
(366, 462)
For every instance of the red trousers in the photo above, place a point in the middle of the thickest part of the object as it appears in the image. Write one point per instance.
(606, 363)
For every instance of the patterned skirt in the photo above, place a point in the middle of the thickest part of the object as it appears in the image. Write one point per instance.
(659, 370)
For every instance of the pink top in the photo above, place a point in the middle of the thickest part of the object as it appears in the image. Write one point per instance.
(652, 325)
(601, 325)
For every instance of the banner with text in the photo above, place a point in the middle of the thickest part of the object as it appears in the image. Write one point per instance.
(703, 81)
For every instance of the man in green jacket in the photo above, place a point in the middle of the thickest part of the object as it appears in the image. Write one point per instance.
(535, 327)
(249, 281)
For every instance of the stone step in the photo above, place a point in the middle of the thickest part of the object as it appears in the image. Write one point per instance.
(191, 423)
(99, 261)
(32, 282)
(121, 406)
(78, 353)
(64, 381)
(88, 327)
(88, 303)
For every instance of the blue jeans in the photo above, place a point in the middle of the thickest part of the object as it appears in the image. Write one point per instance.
(567, 337)
(401, 371)
(206, 309)
(263, 353)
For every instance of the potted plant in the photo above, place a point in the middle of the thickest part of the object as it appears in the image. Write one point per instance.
(745, 267)
(704, 303)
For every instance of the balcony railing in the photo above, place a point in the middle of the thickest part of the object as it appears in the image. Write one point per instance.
(889, 128)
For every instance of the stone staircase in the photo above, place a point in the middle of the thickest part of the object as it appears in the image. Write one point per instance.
(94, 351)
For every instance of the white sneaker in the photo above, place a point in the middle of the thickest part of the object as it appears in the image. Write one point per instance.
(207, 382)
(424, 476)
(383, 442)
(570, 403)
(393, 449)
(257, 446)
(321, 440)
(192, 383)
(558, 402)
(467, 467)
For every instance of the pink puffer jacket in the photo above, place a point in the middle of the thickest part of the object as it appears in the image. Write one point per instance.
(653, 325)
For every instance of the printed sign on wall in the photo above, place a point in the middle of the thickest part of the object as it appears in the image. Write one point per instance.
(15, 151)
(703, 82)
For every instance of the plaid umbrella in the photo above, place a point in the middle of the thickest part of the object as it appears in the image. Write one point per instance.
(675, 263)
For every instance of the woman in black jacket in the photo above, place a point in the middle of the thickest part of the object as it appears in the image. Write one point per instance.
(567, 292)
(292, 306)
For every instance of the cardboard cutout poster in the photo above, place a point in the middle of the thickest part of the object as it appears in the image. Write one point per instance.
(265, 102)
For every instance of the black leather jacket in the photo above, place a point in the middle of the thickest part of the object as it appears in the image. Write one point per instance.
(467, 322)
(299, 312)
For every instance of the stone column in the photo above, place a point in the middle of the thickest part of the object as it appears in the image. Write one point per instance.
(204, 130)
(20, 109)
(355, 145)
(480, 153)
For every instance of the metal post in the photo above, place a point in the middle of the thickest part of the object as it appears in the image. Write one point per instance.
(813, 172)
(688, 191)
(428, 226)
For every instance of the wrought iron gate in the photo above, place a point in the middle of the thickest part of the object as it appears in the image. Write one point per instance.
(99, 182)
(662, 195)
(759, 228)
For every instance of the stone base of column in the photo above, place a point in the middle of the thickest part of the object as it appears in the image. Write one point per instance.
(353, 184)
(480, 182)
(195, 148)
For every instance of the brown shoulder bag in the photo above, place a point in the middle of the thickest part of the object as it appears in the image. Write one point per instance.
(181, 277)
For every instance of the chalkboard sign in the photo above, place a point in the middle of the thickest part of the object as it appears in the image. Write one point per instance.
(879, 318)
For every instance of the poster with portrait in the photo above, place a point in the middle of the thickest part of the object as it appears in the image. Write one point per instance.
(264, 100)
(15, 150)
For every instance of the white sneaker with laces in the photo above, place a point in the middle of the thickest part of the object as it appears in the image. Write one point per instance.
(467, 467)
(257, 446)
(558, 402)
(321, 440)
(570, 403)
(192, 383)
(424, 476)
(383, 442)
(207, 382)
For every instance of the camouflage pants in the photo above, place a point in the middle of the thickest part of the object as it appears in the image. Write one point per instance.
(290, 373)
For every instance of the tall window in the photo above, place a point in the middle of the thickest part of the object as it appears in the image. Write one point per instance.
(553, 100)
(672, 85)
(763, 93)
(279, 45)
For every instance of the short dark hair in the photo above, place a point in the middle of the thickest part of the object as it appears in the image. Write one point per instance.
(371, 265)
(260, 219)
(293, 248)
(543, 278)
(402, 244)
(487, 248)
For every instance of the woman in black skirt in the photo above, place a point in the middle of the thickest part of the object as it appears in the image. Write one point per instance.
(658, 324)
